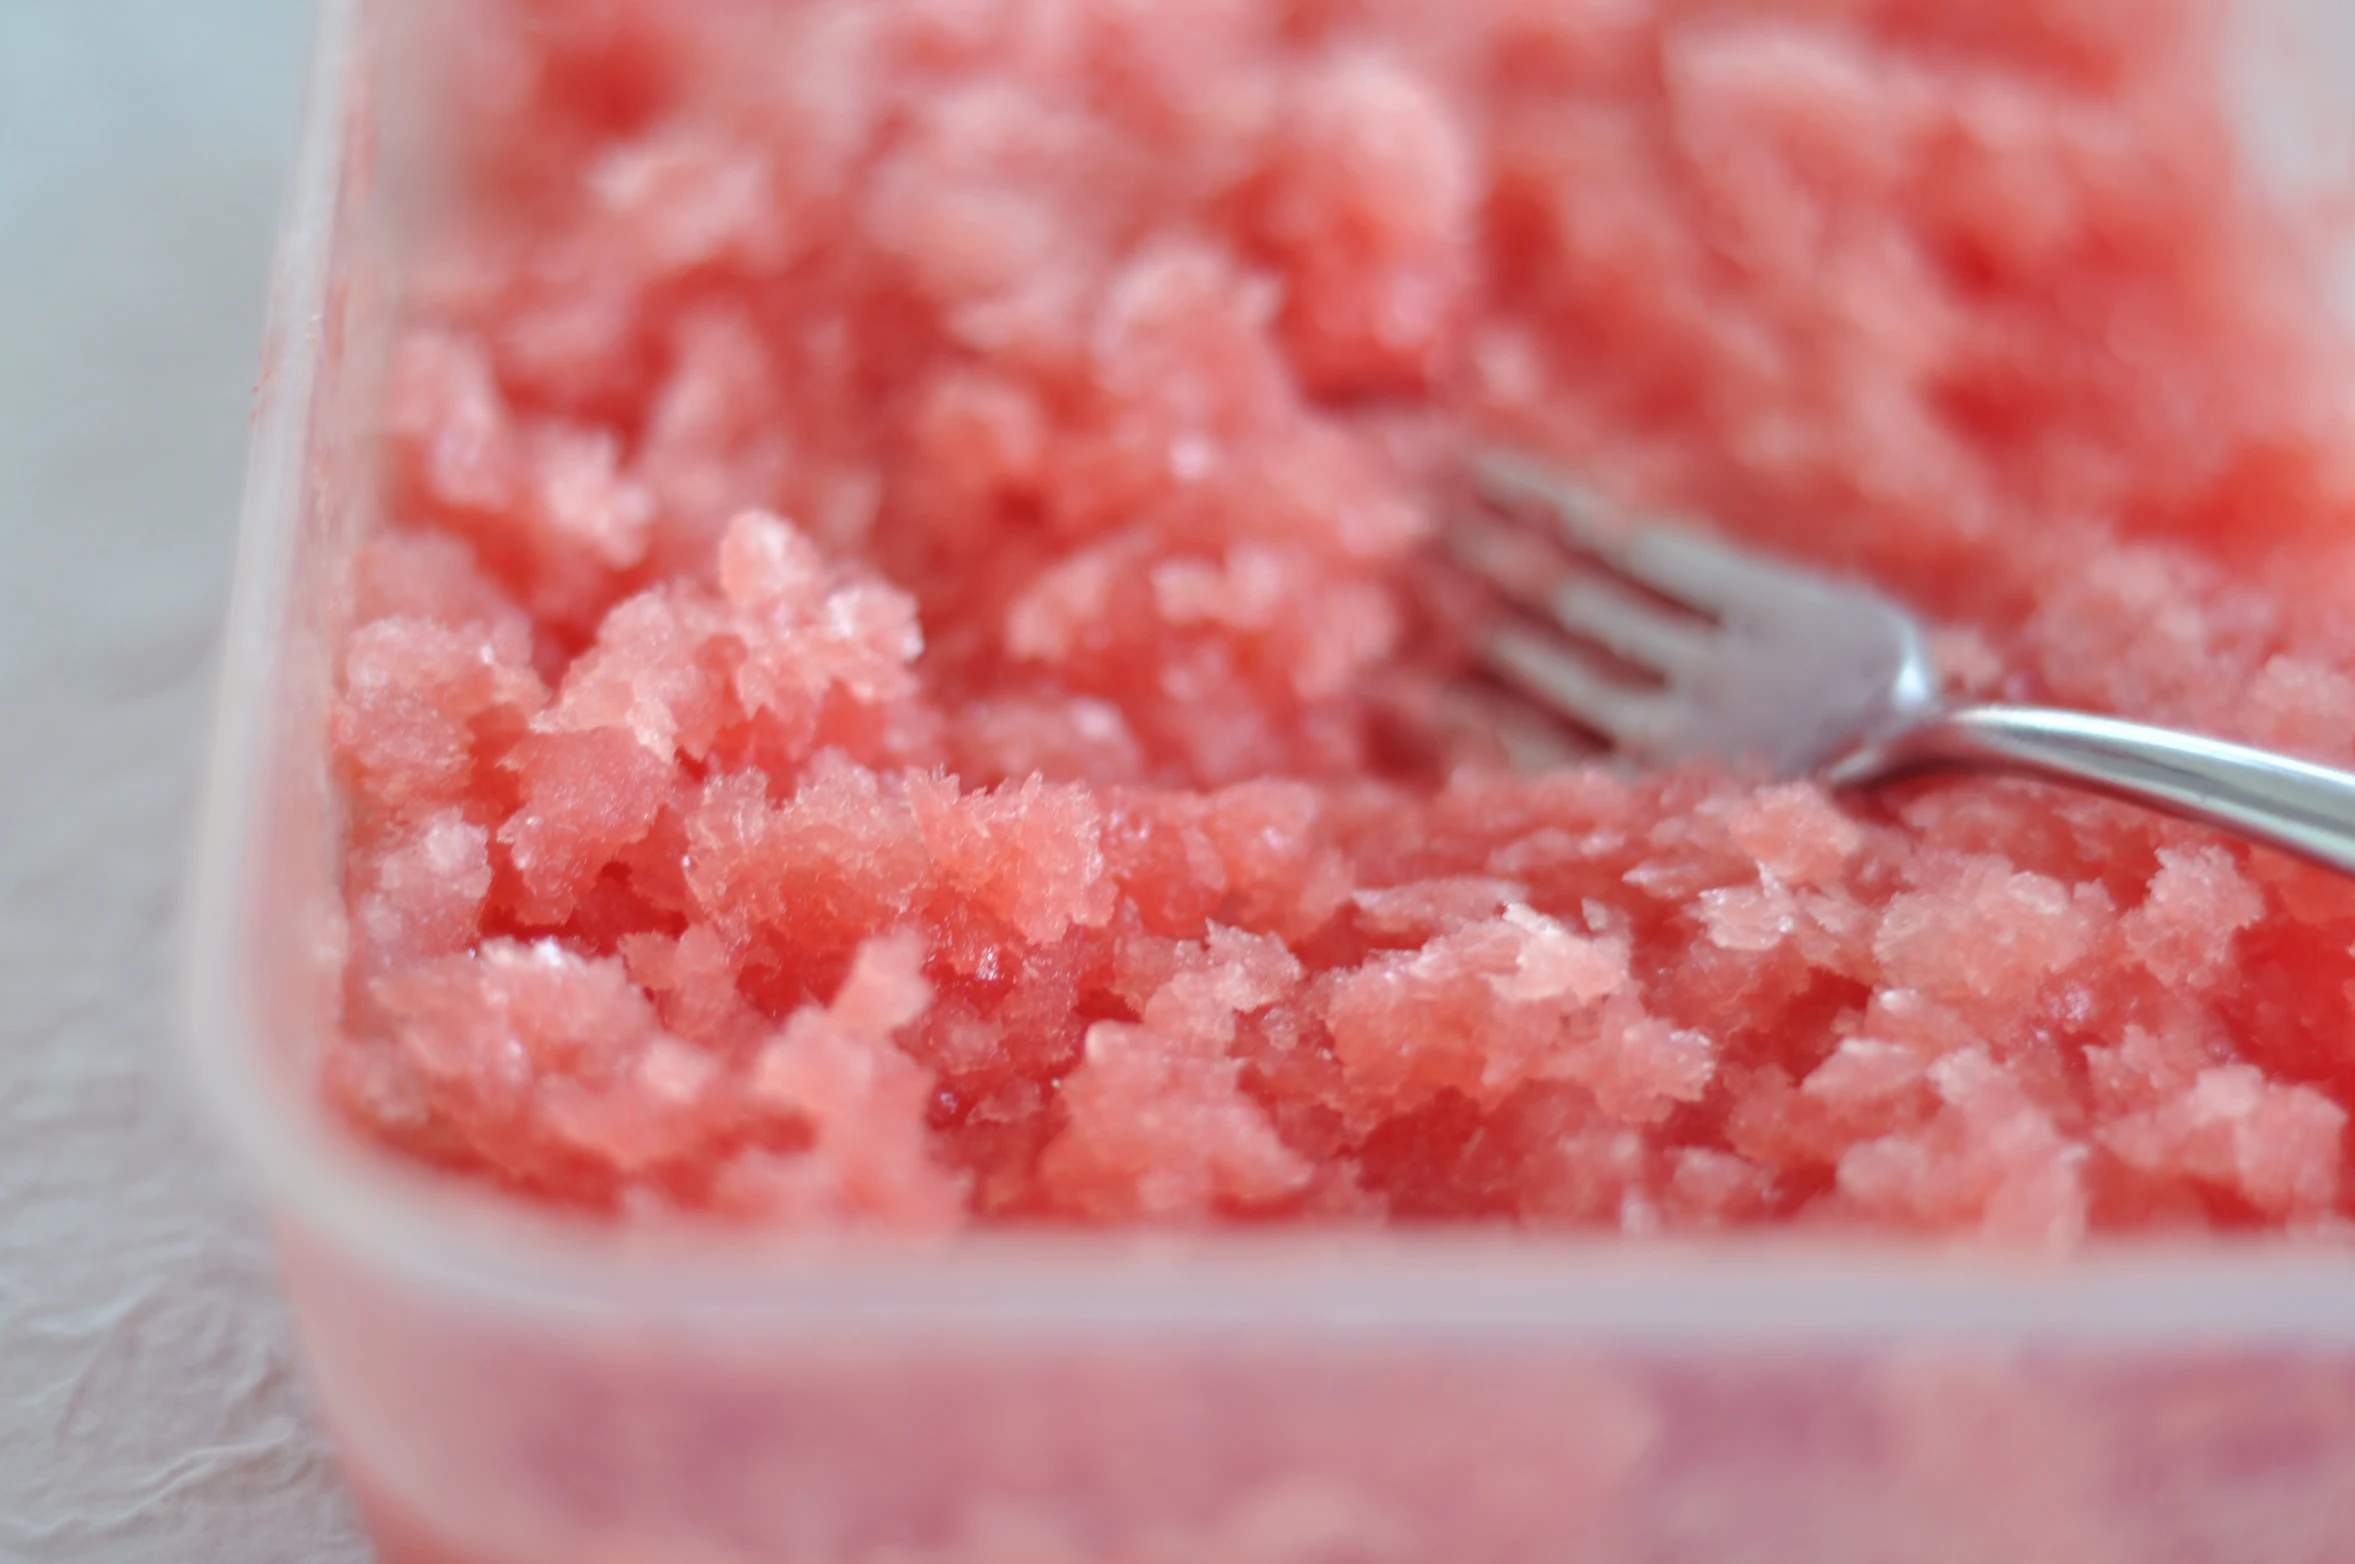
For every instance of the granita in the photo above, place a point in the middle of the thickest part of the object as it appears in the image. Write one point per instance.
(904, 679)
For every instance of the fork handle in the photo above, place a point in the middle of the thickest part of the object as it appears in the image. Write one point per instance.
(2299, 807)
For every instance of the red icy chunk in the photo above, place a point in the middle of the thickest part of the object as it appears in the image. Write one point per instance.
(905, 676)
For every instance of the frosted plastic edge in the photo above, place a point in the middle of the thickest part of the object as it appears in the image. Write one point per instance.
(217, 1024)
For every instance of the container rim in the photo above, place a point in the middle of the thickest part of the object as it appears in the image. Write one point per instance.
(502, 1255)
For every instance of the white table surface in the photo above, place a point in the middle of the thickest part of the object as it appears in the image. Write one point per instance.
(150, 1408)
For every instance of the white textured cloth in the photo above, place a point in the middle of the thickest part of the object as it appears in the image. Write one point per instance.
(151, 1411)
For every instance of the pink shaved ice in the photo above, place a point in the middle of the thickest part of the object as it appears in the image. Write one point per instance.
(905, 678)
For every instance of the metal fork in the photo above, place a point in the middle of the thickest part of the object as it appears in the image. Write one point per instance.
(1699, 647)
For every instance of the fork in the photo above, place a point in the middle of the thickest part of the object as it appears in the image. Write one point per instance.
(1682, 646)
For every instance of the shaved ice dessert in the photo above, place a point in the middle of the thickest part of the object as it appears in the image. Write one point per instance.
(904, 679)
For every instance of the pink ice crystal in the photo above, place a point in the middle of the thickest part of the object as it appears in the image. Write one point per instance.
(905, 678)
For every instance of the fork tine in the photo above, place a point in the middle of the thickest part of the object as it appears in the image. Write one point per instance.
(1695, 568)
(1673, 561)
(1646, 636)
(1584, 604)
(1554, 674)
(1512, 481)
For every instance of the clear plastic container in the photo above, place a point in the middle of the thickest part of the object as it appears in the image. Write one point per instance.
(507, 1389)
